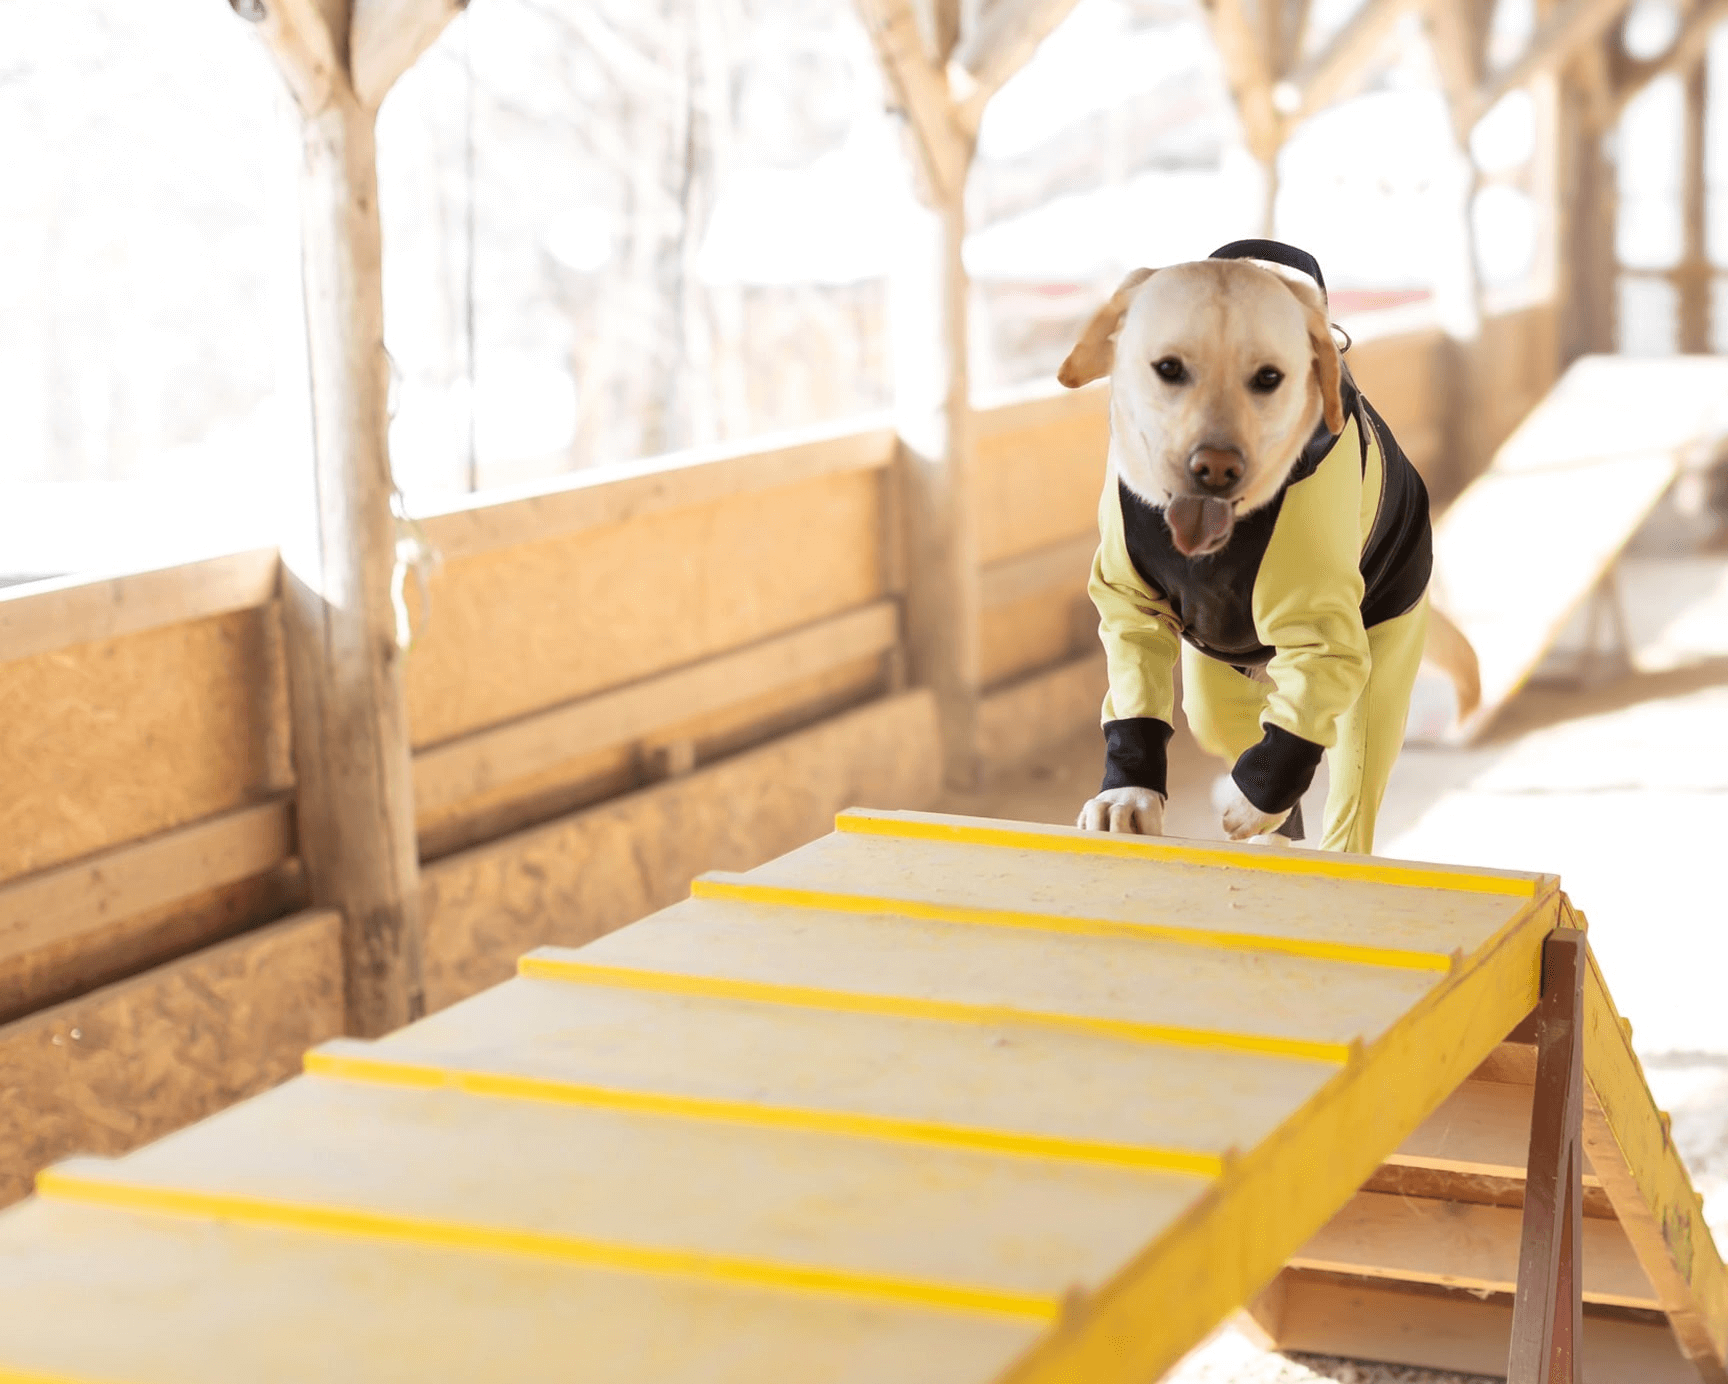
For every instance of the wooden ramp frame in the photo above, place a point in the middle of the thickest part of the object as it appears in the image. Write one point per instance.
(1538, 534)
(929, 1099)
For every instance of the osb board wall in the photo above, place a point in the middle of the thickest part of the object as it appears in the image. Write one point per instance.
(573, 879)
(119, 947)
(1040, 468)
(1407, 379)
(1515, 362)
(1036, 632)
(126, 1064)
(564, 785)
(530, 626)
(118, 739)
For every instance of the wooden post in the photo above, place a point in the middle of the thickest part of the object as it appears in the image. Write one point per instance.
(1586, 266)
(943, 61)
(355, 798)
(1692, 282)
(1547, 1310)
(933, 416)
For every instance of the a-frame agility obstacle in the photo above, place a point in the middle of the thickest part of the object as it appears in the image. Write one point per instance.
(930, 1099)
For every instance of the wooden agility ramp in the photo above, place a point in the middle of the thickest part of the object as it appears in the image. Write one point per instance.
(929, 1099)
(1538, 534)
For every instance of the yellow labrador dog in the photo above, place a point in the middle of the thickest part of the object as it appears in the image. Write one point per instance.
(1260, 522)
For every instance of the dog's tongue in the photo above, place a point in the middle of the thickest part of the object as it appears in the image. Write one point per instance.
(1200, 526)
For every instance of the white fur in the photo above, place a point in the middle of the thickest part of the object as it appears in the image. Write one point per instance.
(1136, 810)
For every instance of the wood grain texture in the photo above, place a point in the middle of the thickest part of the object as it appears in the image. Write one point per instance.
(74, 901)
(520, 629)
(574, 879)
(1454, 1331)
(561, 786)
(479, 763)
(1040, 470)
(1405, 377)
(602, 496)
(1629, 1143)
(351, 755)
(128, 1063)
(1459, 1245)
(1034, 633)
(122, 738)
(1042, 710)
(387, 36)
(74, 965)
(39, 617)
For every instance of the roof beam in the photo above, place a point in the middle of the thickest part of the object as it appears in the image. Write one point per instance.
(385, 38)
(921, 91)
(1561, 35)
(1242, 51)
(1688, 48)
(1331, 73)
(309, 44)
(1003, 41)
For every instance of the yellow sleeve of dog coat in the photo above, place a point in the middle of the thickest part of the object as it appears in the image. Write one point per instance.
(1307, 599)
(1140, 632)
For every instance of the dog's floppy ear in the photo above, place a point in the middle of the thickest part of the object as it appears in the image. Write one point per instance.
(1328, 363)
(1095, 352)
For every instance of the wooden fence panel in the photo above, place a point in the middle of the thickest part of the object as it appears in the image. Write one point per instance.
(519, 629)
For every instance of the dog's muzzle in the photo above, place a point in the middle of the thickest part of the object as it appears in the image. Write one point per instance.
(1216, 470)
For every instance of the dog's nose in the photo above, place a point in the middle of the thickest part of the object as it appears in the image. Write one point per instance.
(1216, 468)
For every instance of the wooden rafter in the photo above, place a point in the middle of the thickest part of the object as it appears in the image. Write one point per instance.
(921, 89)
(1329, 75)
(1293, 32)
(1560, 37)
(1686, 50)
(1003, 41)
(1242, 52)
(302, 36)
(1458, 32)
(386, 36)
(321, 46)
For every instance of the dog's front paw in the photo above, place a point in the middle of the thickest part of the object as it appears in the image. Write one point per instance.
(1137, 810)
(1242, 819)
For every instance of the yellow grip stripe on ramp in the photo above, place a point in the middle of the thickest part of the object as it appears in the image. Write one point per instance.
(947, 1011)
(601, 1254)
(1279, 860)
(842, 1123)
(744, 890)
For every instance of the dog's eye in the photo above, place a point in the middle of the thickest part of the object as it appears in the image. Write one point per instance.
(1267, 378)
(1170, 370)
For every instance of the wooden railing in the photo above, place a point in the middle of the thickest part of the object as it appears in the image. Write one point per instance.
(650, 670)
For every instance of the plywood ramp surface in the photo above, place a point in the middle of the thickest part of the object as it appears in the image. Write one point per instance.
(930, 1098)
(1529, 540)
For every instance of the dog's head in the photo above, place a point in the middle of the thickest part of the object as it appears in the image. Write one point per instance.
(1219, 372)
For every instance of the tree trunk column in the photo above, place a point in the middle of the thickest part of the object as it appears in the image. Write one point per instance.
(1693, 280)
(934, 419)
(351, 748)
(1587, 272)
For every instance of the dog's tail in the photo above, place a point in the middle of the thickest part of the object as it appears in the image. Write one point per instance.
(1448, 650)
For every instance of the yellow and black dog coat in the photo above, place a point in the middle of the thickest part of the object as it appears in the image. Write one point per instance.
(1301, 635)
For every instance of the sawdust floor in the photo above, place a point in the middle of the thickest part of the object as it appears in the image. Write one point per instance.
(1617, 782)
